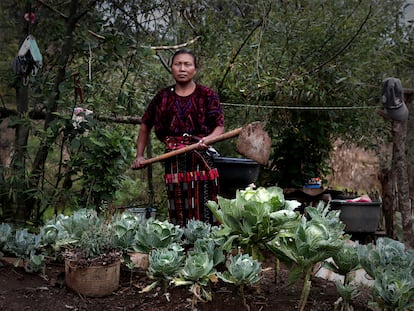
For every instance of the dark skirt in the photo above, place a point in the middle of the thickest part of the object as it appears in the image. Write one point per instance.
(192, 180)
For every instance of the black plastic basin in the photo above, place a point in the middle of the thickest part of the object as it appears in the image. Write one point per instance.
(234, 174)
(358, 216)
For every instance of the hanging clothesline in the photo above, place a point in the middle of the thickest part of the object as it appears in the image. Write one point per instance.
(302, 107)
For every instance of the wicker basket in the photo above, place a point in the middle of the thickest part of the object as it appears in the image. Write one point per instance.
(93, 281)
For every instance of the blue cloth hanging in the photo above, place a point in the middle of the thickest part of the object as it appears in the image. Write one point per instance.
(28, 59)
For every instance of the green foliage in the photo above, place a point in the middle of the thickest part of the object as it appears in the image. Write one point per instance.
(253, 218)
(61, 230)
(210, 246)
(348, 292)
(130, 191)
(124, 226)
(97, 160)
(156, 234)
(23, 244)
(169, 264)
(344, 262)
(198, 268)
(279, 55)
(304, 147)
(315, 239)
(386, 252)
(242, 270)
(26, 246)
(198, 271)
(165, 263)
(196, 229)
(5, 233)
(84, 235)
(64, 230)
(392, 266)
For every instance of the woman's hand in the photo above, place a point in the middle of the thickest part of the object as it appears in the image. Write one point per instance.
(138, 163)
(202, 145)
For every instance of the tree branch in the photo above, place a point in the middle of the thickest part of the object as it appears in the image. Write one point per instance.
(345, 46)
(65, 17)
(41, 115)
(230, 66)
(120, 119)
(172, 47)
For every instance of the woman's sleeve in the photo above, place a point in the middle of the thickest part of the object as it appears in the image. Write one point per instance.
(150, 113)
(215, 113)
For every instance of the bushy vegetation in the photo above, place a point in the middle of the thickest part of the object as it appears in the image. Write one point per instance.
(310, 70)
(198, 254)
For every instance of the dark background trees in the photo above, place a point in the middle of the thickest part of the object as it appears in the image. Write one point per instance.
(310, 70)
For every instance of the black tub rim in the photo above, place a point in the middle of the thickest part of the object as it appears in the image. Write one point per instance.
(234, 160)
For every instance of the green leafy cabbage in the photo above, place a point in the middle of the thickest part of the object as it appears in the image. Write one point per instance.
(242, 270)
(196, 229)
(253, 218)
(156, 234)
(392, 267)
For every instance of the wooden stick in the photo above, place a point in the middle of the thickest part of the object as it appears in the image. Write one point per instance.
(208, 141)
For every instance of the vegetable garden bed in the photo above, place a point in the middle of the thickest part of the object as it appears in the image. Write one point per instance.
(199, 264)
(24, 291)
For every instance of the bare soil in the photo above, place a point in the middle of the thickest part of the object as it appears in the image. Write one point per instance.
(24, 291)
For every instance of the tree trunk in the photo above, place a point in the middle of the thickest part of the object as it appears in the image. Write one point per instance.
(388, 202)
(409, 96)
(18, 164)
(43, 151)
(22, 212)
(399, 134)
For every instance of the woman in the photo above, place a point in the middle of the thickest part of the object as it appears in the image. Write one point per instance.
(183, 114)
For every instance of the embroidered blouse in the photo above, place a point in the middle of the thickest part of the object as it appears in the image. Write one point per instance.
(173, 115)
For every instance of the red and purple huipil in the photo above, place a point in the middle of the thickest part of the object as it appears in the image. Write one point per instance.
(191, 178)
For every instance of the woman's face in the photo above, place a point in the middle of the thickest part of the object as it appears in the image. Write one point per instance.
(183, 68)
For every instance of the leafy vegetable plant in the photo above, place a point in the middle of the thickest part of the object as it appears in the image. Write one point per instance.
(318, 236)
(242, 270)
(124, 227)
(84, 237)
(344, 262)
(213, 249)
(196, 229)
(198, 271)
(36, 262)
(253, 218)
(26, 246)
(156, 234)
(5, 233)
(66, 231)
(392, 267)
(164, 265)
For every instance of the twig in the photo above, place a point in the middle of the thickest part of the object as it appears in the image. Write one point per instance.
(172, 47)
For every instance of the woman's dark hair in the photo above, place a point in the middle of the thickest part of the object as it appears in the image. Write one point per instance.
(185, 51)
